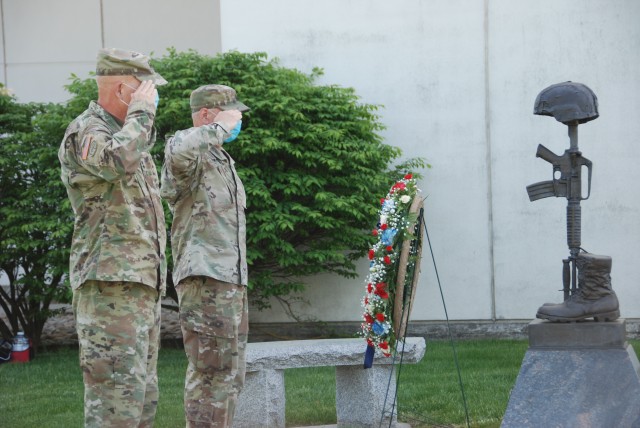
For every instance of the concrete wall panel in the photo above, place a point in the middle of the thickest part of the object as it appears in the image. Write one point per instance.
(2, 62)
(551, 42)
(424, 62)
(42, 31)
(153, 26)
(38, 79)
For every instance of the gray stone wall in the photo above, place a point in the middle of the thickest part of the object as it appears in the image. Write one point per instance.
(60, 330)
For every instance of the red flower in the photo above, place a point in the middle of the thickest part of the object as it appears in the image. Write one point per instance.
(383, 227)
(408, 176)
(381, 285)
(371, 254)
(381, 201)
(384, 345)
(389, 248)
(368, 318)
(374, 232)
(387, 260)
(369, 342)
(369, 288)
(380, 316)
(383, 294)
(366, 300)
(400, 185)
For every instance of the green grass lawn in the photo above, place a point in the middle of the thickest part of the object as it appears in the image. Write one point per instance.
(47, 392)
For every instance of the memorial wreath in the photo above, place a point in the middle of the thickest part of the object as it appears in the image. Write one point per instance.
(396, 224)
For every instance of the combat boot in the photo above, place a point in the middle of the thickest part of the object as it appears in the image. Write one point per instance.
(594, 298)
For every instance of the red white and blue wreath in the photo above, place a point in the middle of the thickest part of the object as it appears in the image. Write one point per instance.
(396, 225)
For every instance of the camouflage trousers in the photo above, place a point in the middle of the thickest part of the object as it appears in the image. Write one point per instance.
(214, 318)
(118, 325)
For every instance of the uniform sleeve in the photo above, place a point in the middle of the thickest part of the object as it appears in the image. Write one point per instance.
(112, 157)
(182, 158)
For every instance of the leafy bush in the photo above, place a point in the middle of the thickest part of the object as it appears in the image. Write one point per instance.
(35, 217)
(310, 156)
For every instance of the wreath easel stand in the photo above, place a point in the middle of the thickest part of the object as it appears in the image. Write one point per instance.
(408, 272)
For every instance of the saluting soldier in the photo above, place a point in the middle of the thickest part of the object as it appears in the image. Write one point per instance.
(117, 262)
(208, 243)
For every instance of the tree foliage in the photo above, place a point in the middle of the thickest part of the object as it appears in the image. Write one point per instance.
(35, 217)
(310, 156)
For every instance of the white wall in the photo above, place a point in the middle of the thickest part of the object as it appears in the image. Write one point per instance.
(45, 41)
(529, 49)
(457, 78)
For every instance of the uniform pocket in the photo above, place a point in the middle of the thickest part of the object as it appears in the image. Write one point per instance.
(209, 342)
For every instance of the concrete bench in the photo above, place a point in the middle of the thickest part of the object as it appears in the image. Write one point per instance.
(360, 393)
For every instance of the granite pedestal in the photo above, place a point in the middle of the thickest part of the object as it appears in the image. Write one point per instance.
(578, 375)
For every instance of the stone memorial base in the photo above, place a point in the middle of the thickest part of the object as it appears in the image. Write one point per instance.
(581, 374)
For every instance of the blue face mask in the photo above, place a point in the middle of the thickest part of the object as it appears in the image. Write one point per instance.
(157, 99)
(234, 132)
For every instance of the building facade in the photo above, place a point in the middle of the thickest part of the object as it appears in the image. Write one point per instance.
(457, 80)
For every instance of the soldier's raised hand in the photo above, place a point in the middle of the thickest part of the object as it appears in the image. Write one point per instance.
(228, 118)
(145, 92)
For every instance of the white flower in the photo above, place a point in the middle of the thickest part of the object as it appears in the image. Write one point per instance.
(383, 219)
(405, 199)
(386, 326)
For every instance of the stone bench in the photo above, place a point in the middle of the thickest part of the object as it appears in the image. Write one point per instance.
(360, 393)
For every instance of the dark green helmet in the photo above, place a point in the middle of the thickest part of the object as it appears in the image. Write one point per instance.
(568, 102)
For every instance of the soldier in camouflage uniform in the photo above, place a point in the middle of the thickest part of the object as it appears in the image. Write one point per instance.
(209, 251)
(117, 262)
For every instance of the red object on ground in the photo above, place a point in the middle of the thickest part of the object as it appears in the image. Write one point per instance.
(20, 356)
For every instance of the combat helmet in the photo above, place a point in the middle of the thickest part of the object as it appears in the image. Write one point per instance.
(567, 102)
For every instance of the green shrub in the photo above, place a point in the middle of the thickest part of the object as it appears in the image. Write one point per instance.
(35, 217)
(310, 156)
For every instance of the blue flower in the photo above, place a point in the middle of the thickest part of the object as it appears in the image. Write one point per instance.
(388, 204)
(387, 236)
(378, 328)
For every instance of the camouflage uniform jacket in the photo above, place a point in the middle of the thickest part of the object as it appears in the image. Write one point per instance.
(112, 183)
(208, 201)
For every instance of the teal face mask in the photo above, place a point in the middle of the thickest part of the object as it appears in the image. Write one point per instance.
(234, 132)
(157, 99)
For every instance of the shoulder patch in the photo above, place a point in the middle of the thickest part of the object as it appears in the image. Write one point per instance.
(86, 145)
(93, 147)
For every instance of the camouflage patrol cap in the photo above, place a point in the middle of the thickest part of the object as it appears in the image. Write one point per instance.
(220, 96)
(119, 62)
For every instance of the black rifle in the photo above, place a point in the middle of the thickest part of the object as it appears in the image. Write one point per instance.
(567, 182)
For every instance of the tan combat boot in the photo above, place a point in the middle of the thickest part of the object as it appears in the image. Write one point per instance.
(594, 298)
